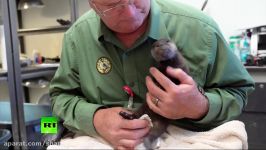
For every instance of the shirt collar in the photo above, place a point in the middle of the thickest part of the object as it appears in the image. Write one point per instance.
(105, 33)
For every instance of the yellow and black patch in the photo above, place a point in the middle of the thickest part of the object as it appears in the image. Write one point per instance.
(103, 65)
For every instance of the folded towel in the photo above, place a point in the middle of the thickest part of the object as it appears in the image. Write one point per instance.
(230, 135)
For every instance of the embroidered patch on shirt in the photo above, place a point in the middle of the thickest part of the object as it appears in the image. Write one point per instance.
(103, 65)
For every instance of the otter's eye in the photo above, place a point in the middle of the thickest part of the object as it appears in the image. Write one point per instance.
(167, 41)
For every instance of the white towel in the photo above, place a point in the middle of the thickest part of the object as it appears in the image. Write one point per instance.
(230, 135)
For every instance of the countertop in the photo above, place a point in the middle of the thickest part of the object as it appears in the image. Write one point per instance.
(32, 112)
(33, 71)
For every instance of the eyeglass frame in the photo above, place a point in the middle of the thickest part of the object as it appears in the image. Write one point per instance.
(103, 12)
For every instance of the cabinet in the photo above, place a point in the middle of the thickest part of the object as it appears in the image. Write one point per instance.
(15, 74)
(254, 115)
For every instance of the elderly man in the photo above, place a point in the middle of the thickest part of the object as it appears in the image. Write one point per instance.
(109, 47)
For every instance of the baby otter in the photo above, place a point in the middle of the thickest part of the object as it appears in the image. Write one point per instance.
(165, 54)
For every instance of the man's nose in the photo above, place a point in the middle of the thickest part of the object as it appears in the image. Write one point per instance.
(129, 10)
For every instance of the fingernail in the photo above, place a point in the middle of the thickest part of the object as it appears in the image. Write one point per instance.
(148, 78)
(152, 69)
(169, 68)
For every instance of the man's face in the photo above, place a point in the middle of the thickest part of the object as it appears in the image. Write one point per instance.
(123, 16)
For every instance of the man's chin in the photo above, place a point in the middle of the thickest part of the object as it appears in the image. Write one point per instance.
(127, 28)
(127, 31)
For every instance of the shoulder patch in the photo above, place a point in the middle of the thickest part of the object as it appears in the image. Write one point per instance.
(103, 65)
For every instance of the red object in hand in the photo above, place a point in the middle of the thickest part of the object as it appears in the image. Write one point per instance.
(128, 90)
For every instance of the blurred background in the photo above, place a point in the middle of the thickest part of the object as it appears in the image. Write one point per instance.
(31, 33)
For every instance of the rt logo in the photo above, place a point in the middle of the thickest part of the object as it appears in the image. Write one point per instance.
(49, 125)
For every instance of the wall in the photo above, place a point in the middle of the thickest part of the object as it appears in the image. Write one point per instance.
(49, 45)
(2, 48)
(232, 15)
(4, 95)
(194, 3)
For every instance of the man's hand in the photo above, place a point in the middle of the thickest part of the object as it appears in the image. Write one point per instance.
(120, 133)
(176, 101)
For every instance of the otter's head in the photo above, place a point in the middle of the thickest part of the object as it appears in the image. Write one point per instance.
(163, 49)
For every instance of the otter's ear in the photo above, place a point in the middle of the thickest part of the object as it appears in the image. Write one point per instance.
(154, 44)
(179, 49)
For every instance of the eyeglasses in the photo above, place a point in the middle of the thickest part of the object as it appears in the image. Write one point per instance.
(114, 10)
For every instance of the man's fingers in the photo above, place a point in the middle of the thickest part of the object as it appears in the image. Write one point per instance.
(152, 106)
(154, 89)
(134, 134)
(165, 82)
(134, 124)
(131, 144)
(179, 74)
(121, 148)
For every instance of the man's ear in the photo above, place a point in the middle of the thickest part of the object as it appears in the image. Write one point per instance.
(91, 5)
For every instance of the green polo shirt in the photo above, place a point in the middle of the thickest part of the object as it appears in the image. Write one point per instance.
(95, 66)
